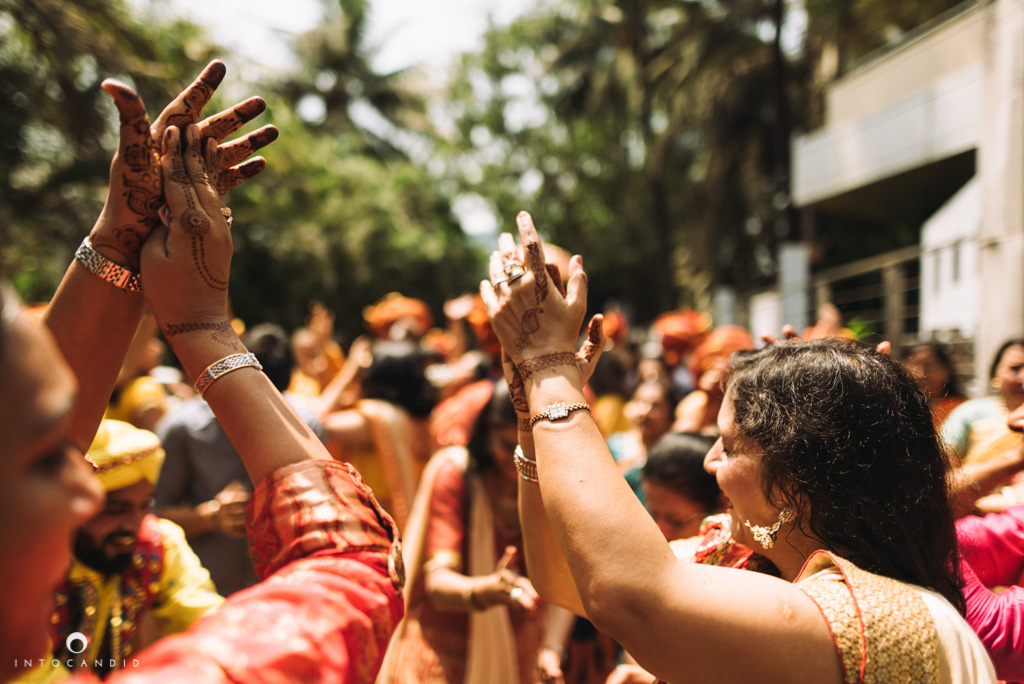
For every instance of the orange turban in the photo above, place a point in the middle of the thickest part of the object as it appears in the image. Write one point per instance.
(394, 307)
(720, 343)
(680, 331)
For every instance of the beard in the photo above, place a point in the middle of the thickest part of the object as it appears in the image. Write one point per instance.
(96, 558)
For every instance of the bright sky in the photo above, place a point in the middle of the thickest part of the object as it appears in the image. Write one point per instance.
(404, 32)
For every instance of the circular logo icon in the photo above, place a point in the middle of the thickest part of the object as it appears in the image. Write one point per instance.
(74, 639)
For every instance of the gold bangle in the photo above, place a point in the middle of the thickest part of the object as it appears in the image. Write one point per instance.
(444, 559)
(526, 468)
(223, 367)
(558, 411)
(115, 274)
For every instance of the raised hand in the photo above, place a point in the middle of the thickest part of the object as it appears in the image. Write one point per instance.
(537, 326)
(185, 265)
(136, 192)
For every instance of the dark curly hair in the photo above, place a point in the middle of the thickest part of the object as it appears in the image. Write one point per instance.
(847, 431)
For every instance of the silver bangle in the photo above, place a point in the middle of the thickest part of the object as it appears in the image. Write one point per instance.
(223, 367)
(526, 468)
(115, 274)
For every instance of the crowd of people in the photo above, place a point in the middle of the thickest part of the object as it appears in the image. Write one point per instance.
(513, 496)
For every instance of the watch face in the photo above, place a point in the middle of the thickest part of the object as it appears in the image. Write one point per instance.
(557, 411)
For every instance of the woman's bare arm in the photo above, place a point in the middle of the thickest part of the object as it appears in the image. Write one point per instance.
(680, 621)
(92, 320)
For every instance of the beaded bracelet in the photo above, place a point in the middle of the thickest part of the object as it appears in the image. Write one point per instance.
(223, 367)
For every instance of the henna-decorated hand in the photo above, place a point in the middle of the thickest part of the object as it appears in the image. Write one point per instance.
(530, 316)
(186, 264)
(135, 196)
(586, 362)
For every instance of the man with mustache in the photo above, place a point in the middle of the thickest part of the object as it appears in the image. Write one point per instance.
(133, 577)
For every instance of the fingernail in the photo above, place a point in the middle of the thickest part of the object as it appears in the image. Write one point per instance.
(522, 217)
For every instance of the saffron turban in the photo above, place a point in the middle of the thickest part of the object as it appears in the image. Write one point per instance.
(125, 454)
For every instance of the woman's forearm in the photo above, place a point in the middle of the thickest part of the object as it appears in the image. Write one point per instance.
(545, 560)
(262, 426)
(609, 539)
(93, 322)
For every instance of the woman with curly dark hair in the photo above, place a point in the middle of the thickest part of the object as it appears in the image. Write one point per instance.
(833, 472)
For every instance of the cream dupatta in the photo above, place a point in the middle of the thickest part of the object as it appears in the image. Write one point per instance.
(491, 651)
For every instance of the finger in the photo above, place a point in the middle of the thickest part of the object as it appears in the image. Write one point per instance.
(165, 215)
(135, 147)
(186, 108)
(528, 589)
(506, 246)
(195, 166)
(237, 151)
(577, 289)
(236, 175)
(767, 339)
(591, 350)
(532, 245)
(790, 334)
(507, 559)
(533, 250)
(490, 299)
(494, 267)
(556, 277)
(224, 123)
(129, 106)
(884, 347)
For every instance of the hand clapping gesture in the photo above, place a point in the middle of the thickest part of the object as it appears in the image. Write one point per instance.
(535, 319)
(136, 188)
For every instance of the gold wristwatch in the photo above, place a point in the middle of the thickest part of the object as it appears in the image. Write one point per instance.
(558, 411)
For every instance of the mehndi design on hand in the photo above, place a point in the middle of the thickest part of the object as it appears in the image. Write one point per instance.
(530, 366)
(194, 220)
(222, 331)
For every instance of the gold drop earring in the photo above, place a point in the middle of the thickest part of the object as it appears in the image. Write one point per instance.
(766, 536)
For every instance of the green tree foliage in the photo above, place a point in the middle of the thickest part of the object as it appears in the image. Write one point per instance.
(57, 128)
(341, 215)
(327, 223)
(639, 134)
(649, 135)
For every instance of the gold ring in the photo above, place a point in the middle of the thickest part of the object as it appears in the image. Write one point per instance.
(514, 270)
